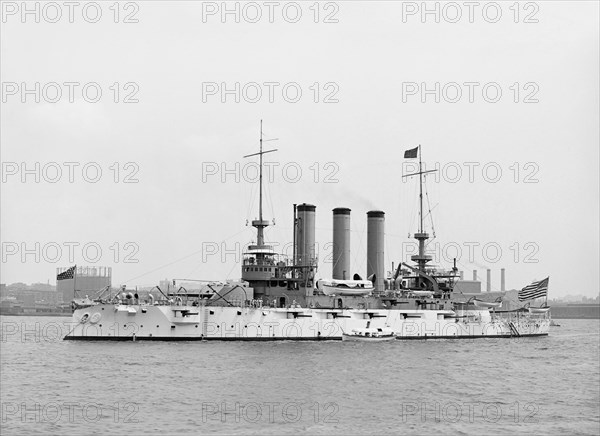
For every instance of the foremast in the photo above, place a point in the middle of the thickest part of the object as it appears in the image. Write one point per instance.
(274, 276)
(260, 223)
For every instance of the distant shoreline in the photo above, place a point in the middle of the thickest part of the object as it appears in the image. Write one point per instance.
(57, 314)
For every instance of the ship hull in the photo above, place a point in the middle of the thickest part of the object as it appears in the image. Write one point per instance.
(188, 323)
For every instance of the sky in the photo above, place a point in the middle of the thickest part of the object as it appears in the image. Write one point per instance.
(124, 126)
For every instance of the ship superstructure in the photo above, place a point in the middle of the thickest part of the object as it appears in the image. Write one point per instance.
(278, 298)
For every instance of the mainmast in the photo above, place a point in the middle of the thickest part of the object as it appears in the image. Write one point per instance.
(420, 191)
(421, 259)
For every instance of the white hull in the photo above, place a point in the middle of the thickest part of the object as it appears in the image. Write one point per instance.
(146, 322)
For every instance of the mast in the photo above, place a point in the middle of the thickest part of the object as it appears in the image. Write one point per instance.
(260, 187)
(421, 259)
(423, 279)
(261, 238)
(260, 224)
(420, 191)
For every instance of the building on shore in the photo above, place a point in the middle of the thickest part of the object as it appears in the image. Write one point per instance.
(84, 280)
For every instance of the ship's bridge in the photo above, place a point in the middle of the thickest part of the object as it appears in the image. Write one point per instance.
(262, 263)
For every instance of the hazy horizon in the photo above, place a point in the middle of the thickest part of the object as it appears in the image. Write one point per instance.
(517, 185)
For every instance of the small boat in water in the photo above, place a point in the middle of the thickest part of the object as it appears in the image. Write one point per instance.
(369, 335)
(554, 323)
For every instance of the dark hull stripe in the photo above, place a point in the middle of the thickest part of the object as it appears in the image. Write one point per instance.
(334, 338)
(402, 338)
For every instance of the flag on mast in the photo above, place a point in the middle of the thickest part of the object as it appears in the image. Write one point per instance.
(535, 290)
(412, 153)
(67, 274)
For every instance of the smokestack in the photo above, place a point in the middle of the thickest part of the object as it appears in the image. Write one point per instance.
(341, 243)
(462, 275)
(502, 279)
(375, 250)
(474, 275)
(305, 235)
(489, 280)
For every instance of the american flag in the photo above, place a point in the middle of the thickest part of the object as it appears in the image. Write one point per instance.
(68, 274)
(535, 290)
(412, 153)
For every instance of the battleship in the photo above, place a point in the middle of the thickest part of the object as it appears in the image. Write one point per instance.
(280, 298)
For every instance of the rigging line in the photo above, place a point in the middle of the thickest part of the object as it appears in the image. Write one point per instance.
(335, 261)
(360, 246)
(241, 247)
(180, 259)
(232, 268)
(269, 199)
(272, 203)
(429, 208)
(413, 210)
(250, 202)
(434, 237)
(386, 248)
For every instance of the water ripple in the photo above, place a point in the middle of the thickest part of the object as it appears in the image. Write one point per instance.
(497, 386)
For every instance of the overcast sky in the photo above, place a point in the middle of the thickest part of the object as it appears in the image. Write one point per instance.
(526, 198)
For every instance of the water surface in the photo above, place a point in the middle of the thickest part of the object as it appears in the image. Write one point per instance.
(544, 385)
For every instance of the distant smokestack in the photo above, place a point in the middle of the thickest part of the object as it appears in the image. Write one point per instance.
(375, 250)
(305, 235)
(462, 275)
(489, 280)
(502, 279)
(341, 243)
(474, 275)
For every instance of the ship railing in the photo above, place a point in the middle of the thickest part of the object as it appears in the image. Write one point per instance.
(281, 261)
(514, 316)
(147, 303)
(254, 303)
(270, 260)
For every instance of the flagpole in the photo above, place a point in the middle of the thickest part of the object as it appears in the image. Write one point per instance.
(74, 281)
(420, 190)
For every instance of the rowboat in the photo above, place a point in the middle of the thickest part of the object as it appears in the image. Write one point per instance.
(422, 293)
(345, 287)
(538, 309)
(369, 335)
(479, 303)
